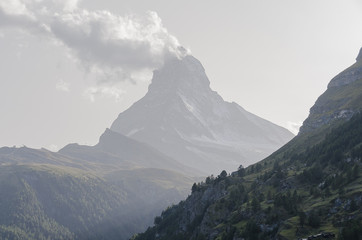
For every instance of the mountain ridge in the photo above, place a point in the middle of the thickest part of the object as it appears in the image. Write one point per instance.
(349, 75)
(86, 192)
(124, 151)
(341, 100)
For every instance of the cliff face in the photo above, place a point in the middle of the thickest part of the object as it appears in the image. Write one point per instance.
(349, 75)
(341, 100)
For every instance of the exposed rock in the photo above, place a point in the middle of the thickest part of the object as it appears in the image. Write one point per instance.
(349, 75)
(341, 100)
(324, 119)
(346, 77)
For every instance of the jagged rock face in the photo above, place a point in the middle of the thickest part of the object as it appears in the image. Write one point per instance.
(349, 75)
(341, 100)
(182, 117)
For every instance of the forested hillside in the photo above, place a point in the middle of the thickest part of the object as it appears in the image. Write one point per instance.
(47, 195)
(311, 185)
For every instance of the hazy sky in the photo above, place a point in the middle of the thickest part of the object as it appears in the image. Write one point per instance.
(68, 68)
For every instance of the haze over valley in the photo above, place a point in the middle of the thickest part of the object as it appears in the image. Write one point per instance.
(152, 120)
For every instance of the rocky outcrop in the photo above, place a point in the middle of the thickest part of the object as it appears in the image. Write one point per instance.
(349, 75)
(325, 119)
(341, 100)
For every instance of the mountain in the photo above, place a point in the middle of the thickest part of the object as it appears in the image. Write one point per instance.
(107, 191)
(118, 150)
(341, 100)
(311, 188)
(182, 117)
(145, 162)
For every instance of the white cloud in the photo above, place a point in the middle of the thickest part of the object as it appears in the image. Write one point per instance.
(53, 148)
(15, 8)
(39, 7)
(69, 5)
(111, 47)
(61, 85)
(293, 126)
(112, 91)
(125, 44)
(14, 13)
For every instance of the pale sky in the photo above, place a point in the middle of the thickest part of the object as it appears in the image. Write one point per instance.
(68, 69)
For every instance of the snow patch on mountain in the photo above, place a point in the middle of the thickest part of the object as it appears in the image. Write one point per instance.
(134, 131)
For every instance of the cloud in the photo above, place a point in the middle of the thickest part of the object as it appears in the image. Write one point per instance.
(92, 92)
(15, 8)
(53, 148)
(105, 39)
(294, 126)
(111, 47)
(61, 85)
(14, 13)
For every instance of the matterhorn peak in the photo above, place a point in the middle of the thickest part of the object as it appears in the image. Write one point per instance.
(180, 73)
(182, 117)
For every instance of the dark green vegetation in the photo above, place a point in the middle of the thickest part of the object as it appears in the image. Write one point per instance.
(85, 192)
(51, 202)
(41, 204)
(311, 185)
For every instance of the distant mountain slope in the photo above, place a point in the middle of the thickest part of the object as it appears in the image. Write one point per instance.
(108, 191)
(311, 187)
(183, 118)
(42, 202)
(119, 151)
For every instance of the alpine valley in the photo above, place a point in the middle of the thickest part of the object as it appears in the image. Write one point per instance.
(311, 188)
(149, 158)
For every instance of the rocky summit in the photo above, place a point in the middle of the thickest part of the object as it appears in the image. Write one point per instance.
(185, 119)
